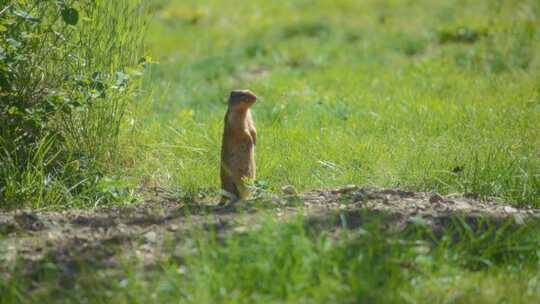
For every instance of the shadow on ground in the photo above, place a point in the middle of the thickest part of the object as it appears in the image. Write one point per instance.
(38, 243)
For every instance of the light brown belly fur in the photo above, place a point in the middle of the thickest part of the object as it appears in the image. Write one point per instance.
(237, 165)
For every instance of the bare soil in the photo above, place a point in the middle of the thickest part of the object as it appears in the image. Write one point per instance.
(31, 241)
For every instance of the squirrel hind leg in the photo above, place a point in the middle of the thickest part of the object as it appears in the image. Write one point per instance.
(228, 196)
(228, 191)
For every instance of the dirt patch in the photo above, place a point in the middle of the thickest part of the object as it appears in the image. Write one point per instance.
(411, 206)
(31, 240)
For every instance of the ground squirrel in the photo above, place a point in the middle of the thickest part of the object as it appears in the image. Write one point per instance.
(238, 147)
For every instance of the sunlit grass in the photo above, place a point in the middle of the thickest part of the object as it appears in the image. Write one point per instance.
(427, 95)
(350, 92)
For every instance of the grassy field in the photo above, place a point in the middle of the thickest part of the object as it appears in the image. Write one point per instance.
(439, 96)
(436, 96)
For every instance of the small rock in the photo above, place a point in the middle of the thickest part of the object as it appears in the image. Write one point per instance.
(436, 198)
(471, 195)
(509, 209)
(418, 220)
(346, 189)
(518, 218)
(440, 207)
(462, 205)
(123, 228)
(123, 283)
(240, 229)
(422, 249)
(150, 236)
(54, 236)
(289, 190)
(173, 227)
(363, 195)
(7, 227)
(182, 270)
(28, 221)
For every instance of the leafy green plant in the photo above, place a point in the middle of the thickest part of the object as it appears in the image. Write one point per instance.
(67, 70)
(462, 34)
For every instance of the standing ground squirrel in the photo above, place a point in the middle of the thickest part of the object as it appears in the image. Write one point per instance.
(238, 147)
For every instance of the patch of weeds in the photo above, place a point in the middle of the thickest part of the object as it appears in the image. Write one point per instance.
(353, 35)
(461, 34)
(306, 29)
(409, 45)
(183, 16)
(114, 190)
(260, 189)
(515, 53)
(291, 201)
(256, 49)
(465, 58)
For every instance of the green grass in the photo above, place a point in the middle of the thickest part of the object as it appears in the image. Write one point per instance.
(67, 70)
(422, 95)
(295, 263)
(396, 94)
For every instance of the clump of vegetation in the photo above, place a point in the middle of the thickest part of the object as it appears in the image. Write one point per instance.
(67, 69)
(462, 34)
(306, 29)
(295, 262)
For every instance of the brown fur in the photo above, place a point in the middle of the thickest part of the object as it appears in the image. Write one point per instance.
(238, 146)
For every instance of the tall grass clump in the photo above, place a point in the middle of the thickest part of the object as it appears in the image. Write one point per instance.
(67, 70)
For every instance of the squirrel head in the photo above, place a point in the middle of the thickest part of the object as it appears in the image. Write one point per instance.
(242, 99)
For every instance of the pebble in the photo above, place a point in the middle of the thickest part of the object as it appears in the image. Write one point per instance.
(150, 236)
(509, 209)
(346, 189)
(435, 198)
(289, 190)
(518, 218)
